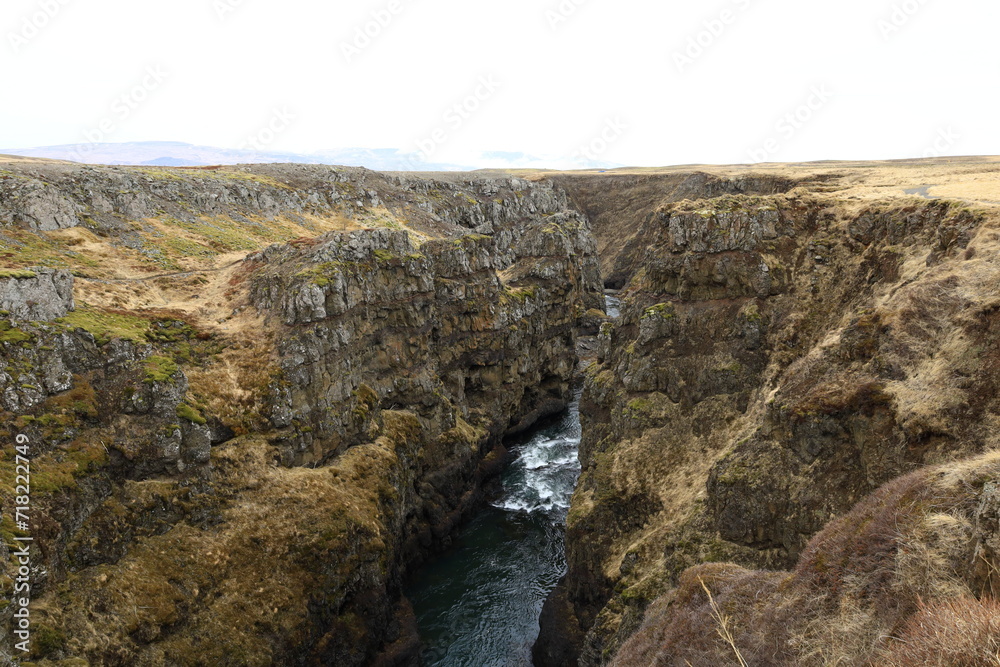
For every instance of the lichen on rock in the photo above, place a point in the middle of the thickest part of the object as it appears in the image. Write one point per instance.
(36, 294)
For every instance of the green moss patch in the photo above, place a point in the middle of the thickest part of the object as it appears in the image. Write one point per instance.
(107, 324)
(57, 469)
(662, 310)
(20, 249)
(185, 411)
(522, 294)
(19, 274)
(12, 335)
(160, 369)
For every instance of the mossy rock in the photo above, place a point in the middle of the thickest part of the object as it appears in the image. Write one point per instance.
(11, 334)
(18, 274)
(160, 369)
(662, 310)
(190, 413)
(522, 294)
(106, 325)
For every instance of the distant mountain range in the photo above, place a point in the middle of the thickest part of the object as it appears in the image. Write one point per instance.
(178, 154)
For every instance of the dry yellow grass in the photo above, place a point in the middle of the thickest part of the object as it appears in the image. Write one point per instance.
(889, 584)
(972, 179)
(894, 321)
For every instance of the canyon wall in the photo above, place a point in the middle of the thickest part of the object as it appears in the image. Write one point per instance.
(257, 397)
(779, 357)
(253, 488)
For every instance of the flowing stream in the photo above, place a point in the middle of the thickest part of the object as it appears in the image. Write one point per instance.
(478, 605)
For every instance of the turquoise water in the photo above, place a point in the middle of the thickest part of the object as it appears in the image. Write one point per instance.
(478, 605)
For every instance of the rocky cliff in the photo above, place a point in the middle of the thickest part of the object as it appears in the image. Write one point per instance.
(780, 355)
(239, 447)
(256, 397)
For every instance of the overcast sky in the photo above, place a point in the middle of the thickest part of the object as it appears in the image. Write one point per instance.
(625, 81)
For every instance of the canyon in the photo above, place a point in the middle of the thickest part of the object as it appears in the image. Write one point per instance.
(259, 398)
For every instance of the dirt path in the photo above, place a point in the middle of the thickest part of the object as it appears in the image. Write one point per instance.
(173, 274)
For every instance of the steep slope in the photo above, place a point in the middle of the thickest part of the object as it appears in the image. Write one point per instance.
(618, 206)
(778, 358)
(908, 577)
(256, 397)
(246, 476)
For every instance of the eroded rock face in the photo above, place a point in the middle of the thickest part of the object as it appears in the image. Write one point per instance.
(779, 356)
(488, 321)
(36, 204)
(54, 196)
(619, 207)
(390, 366)
(36, 294)
(773, 365)
(70, 380)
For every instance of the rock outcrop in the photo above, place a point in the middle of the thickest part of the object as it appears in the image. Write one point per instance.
(36, 294)
(620, 205)
(256, 397)
(486, 323)
(778, 358)
(254, 490)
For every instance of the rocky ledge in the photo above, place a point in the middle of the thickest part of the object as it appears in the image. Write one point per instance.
(779, 357)
(253, 489)
(257, 397)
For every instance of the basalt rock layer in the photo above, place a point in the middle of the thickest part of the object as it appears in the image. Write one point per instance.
(780, 356)
(255, 397)
(239, 449)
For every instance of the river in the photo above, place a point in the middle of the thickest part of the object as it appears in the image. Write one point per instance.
(478, 605)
